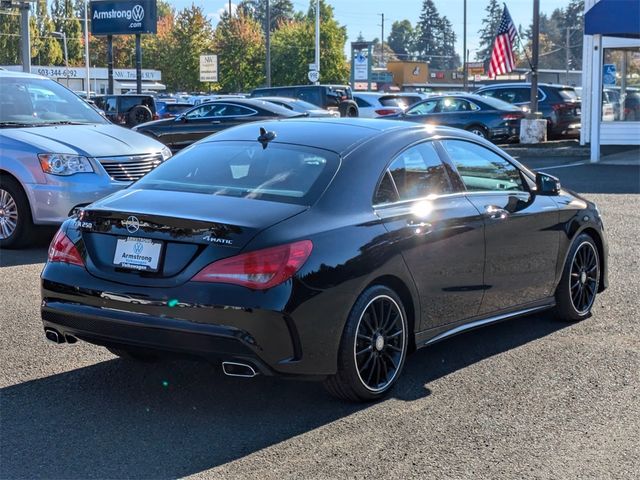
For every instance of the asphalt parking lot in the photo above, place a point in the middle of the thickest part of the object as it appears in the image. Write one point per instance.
(529, 398)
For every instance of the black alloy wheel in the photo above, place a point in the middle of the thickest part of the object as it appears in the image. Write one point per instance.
(580, 281)
(373, 348)
(479, 130)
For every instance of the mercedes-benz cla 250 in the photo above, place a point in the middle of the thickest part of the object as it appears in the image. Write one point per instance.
(325, 249)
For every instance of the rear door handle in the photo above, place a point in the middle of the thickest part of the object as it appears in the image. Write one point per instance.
(496, 213)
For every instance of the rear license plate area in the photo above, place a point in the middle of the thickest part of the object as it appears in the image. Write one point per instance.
(140, 254)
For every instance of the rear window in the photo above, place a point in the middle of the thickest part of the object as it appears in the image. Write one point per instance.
(500, 105)
(568, 94)
(394, 102)
(281, 173)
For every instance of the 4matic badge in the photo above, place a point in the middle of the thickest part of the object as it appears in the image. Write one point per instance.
(221, 241)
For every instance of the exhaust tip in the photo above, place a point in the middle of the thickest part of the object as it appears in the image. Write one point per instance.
(234, 369)
(53, 336)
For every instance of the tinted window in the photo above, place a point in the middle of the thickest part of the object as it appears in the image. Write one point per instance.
(510, 95)
(111, 104)
(386, 192)
(568, 94)
(500, 104)
(361, 102)
(481, 169)
(423, 108)
(452, 104)
(418, 172)
(127, 103)
(282, 173)
(393, 102)
(311, 95)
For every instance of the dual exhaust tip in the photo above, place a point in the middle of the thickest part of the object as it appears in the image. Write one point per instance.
(231, 369)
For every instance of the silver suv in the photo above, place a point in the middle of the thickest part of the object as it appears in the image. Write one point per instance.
(58, 153)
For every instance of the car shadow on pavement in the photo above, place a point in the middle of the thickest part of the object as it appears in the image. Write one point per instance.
(36, 253)
(122, 420)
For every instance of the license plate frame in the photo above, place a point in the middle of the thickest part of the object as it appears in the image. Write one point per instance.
(138, 254)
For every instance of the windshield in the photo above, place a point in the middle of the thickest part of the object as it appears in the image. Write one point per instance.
(37, 101)
(280, 172)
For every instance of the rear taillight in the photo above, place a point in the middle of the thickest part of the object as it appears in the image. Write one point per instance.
(260, 269)
(385, 111)
(63, 250)
(560, 106)
(512, 116)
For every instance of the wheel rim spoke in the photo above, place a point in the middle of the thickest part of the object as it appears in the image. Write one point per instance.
(380, 343)
(583, 280)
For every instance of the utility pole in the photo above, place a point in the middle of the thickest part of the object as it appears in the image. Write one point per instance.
(465, 59)
(25, 37)
(268, 43)
(535, 39)
(317, 59)
(567, 56)
(382, 40)
(86, 48)
(229, 8)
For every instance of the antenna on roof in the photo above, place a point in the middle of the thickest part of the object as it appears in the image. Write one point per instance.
(265, 137)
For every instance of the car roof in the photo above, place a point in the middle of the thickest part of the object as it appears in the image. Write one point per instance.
(340, 135)
(524, 84)
(303, 86)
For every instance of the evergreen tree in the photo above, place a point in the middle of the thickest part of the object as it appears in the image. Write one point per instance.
(65, 21)
(487, 33)
(429, 33)
(280, 11)
(10, 37)
(448, 39)
(401, 38)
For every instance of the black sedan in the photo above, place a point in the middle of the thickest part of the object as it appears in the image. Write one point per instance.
(486, 117)
(211, 117)
(325, 249)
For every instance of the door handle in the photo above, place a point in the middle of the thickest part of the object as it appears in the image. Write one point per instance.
(496, 213)
(421, 227)
(216, 121)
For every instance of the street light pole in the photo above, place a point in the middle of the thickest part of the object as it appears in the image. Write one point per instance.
(86, 48)
(25, 37)
(465, 60)
(535, 41)
(317, 57)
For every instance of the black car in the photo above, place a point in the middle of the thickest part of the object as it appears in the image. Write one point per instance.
(559, 104)
(326, 249)
(128, 110)
(483, 116)
(211, 117)
(328, 97)
(172, 109)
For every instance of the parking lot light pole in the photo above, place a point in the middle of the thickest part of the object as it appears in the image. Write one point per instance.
(86, 48)
(25, 37)
(268, 44)
(317, 58)
(63, 36)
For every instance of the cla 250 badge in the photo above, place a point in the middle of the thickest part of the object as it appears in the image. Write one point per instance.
(221, 241)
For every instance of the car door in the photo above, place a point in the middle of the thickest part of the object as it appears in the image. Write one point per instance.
(438, 231)
(456, 112)
(522, 231)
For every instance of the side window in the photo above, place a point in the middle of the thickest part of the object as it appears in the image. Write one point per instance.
(423, 108)
(361, 103)
(418, 172)
(111, 104)
(481, 169)
(450, 104)
(231, 110)
(386, 192)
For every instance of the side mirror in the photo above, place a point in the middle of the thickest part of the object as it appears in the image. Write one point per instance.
(547, 184)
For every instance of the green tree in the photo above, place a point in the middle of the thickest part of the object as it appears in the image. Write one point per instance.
(45, 49)
(280, 11)
(239, 43)
(191, 36)
(402, 38)
(428, 41)
(293, 48)
(65, 21)
(10, 37)
(487, 33)
(448, 49)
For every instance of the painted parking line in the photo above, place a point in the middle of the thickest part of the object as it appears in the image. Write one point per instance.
(575, 164)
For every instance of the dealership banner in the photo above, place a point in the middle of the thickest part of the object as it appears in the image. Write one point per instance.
(123, 17)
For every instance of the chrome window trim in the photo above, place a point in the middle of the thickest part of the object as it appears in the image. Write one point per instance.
(255, 112)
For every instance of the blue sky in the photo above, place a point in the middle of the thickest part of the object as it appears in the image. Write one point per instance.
(362, 15)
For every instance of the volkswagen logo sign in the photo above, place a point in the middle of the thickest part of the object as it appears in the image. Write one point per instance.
(137, 248)
(132, 224)
(137, 13)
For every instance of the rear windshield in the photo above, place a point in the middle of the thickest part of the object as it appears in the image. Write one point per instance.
(393, 102)
(281, 172)
(568, 94)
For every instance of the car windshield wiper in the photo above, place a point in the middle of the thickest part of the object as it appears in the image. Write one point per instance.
(62, 122)
(16, 124)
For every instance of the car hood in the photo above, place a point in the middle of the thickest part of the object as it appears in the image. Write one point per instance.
(94, 140)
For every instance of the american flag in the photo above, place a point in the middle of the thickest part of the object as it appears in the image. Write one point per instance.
(502, 60)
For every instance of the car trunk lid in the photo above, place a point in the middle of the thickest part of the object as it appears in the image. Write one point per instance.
(167, 237)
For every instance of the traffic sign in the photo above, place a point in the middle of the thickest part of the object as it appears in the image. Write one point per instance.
(313, 75)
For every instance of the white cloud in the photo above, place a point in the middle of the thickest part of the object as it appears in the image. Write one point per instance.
(215, 17)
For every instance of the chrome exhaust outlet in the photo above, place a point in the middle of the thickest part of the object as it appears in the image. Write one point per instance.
(234, 369)
(53, 336)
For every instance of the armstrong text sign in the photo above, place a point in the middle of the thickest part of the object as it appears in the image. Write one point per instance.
(121, 17)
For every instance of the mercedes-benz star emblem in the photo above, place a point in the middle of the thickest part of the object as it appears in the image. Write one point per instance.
(138, 13)
(132, 224)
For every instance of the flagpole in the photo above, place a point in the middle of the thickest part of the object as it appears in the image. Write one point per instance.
(535, 43)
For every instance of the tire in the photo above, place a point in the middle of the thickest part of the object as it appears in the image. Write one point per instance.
(133, 354)
(372, 351)
(581, 273)
(348, 109)
(16, 225)
(139, 114)
(478, 130)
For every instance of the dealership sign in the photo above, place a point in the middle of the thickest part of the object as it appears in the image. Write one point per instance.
(208, 68)
(122, 17)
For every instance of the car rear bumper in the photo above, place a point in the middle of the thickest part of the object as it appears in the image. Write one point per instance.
(195, 319)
